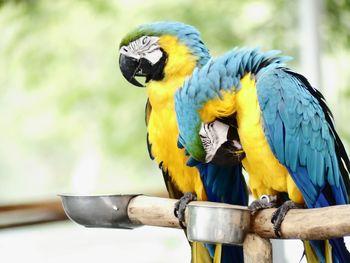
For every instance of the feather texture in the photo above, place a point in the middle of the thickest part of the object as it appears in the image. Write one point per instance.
(304, 146)
(210, 83)
(182, 173)
(310, 152)
(285, 127)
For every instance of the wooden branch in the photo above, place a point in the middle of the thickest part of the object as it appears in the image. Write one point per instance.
(153, 211)
(318, 223)
(321, 223)
(257, 249)
(30, 214)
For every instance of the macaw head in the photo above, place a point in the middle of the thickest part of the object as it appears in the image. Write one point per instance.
(215, 142)
(158, 51)
(221, 142)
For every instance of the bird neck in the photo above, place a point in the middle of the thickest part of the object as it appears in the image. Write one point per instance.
(161, 93)
(180, 64)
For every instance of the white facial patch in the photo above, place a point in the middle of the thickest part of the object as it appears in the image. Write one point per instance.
(213, 135)
(144, 47)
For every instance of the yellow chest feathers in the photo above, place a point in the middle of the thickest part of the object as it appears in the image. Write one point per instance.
(266, 174)
(180, 64)
(162, 125)
(163, 135)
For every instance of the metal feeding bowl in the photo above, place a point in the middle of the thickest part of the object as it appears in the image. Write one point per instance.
(108, 211)
(217, 223)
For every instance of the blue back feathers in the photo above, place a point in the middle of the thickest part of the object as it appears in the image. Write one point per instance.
(300, 131)
(300, 136)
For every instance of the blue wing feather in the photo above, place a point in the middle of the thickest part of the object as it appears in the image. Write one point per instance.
(303, 137)
(298, 143)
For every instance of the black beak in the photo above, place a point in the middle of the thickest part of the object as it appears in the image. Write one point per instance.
(230, 152)
(130, 68)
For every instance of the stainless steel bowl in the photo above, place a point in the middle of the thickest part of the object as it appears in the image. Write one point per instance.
(109, 211)
(217, 223)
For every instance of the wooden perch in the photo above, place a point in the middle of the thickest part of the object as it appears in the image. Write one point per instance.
(157, 211)
(321, 223)
(153, 211)
(318, 223)
(210, 222)
(32, 213)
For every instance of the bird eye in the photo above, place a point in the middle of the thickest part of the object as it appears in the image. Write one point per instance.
(145, 40)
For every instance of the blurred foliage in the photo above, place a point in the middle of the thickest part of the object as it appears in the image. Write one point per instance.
(338, 18)
(225, 24)
(69, 121)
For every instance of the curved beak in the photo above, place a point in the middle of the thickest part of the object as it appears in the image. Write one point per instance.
(129, 67)
(227, 148)
(229, 153)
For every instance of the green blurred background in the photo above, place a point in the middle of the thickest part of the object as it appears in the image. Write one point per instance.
(69, 122)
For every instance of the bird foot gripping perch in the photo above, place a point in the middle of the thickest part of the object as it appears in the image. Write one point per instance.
(271, 201)
(265, 201)
(180, 207)
(279, 215)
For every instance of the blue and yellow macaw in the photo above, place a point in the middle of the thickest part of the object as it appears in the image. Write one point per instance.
(285, 129)
(165, 53)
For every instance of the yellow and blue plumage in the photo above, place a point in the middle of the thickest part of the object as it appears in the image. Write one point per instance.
(285, 129)
(166, 53)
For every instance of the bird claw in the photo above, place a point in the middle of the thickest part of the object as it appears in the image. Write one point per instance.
(265, 201)
(180, 207)
(279, 215)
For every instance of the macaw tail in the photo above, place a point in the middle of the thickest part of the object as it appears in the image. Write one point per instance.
(326, 251)
(223, 253)
(224, 184)
(220, 253)
(200, 253)
(339, 250)
(228, 254)
(333, 250)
